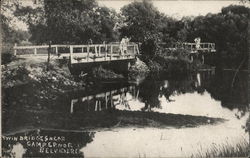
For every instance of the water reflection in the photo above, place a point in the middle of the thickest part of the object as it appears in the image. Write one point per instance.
(152, 142)
(188, 97)
(119, 110)
(105, 100)
(154, 95)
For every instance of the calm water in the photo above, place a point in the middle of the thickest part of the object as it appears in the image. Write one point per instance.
(156, 117)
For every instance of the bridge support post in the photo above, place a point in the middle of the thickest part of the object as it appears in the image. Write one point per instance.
(35, 51)
(191, 58)
(129, 65)
(106, 100)
(15, 49)
(203, 59)
(96, 50)
(111, 52)
(88, 53)
(56, 50)
(99, 52)
(71, 54)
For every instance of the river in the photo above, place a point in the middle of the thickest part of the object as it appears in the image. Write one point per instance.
(203, 114)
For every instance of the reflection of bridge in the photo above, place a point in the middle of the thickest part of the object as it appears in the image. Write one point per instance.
(105, 100)
(123, 97)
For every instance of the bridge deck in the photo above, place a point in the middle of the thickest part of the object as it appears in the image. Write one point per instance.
(102, 52)
(81, 53)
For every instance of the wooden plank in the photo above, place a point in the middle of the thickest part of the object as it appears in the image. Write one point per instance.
(31, 47)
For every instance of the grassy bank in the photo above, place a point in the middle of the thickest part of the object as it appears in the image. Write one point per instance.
(39, 72)
(240, 149)
(35, 84)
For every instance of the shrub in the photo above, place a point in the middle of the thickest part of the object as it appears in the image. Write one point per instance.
(101, 73)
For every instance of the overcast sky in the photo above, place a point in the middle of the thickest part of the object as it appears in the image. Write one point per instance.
(174, 8)
(177, 8)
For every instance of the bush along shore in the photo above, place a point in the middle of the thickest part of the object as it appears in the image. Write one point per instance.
(174, 62)
(35, 83)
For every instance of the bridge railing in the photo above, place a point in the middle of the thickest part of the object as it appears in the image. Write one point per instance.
(101, 52)
(210, 47)
(40, 49)
(78, 51)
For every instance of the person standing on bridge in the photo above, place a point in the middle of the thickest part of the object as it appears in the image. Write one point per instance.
(90, 41)
(197, 42)
(124, 45)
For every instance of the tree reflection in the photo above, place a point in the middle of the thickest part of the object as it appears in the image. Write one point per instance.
(236, 96)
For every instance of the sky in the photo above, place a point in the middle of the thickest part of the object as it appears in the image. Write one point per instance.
(173, 8)
(178, 8)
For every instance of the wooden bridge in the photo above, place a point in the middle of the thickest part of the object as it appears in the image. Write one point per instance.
(80, 53)
(194, 48)
(84, 57)
(99, 53)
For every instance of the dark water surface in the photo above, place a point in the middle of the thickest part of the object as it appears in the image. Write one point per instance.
(156, 117)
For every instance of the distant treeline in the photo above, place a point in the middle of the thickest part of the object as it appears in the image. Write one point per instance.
(78, 21)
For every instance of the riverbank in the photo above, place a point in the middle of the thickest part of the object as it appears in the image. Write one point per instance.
(53, 75)
(33, 84)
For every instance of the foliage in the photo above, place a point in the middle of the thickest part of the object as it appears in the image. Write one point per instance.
(9, 34)
(171, 62)
(143, 23)
(75, 21)
(141, 18)
(105, 74)
(228, 30)
(7, 58)
(35, 19)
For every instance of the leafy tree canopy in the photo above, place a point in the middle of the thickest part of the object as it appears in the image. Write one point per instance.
(74, 21)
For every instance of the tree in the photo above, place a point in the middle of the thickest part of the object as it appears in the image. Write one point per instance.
(141, 18)
(143, 23)
(228, 30)
(77, 21)
(35, 19)
(8, 32)
(74, 21)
